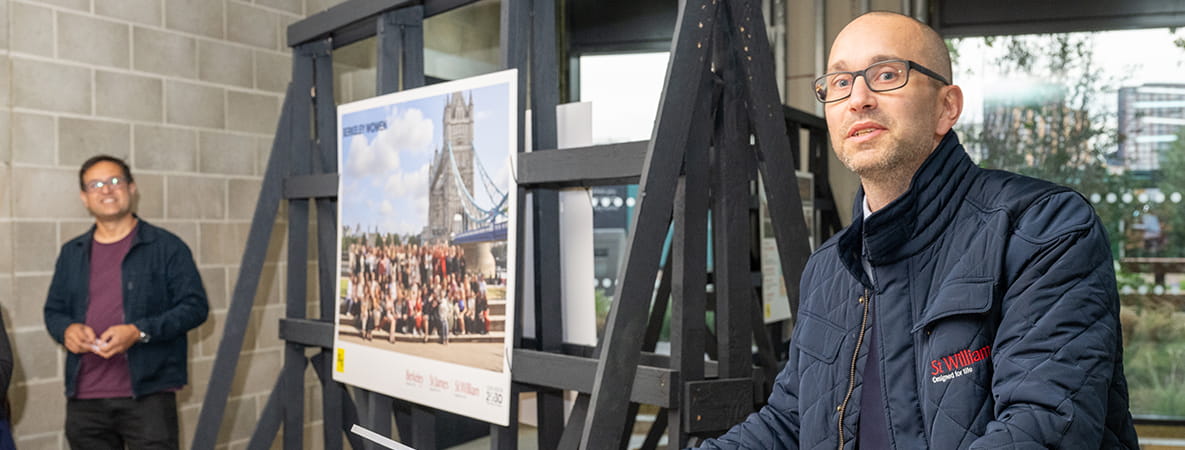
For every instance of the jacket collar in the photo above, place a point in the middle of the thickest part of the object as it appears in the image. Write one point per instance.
(144, 233)
(913, 221)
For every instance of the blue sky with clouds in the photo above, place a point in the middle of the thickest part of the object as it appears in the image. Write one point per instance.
(384, 174)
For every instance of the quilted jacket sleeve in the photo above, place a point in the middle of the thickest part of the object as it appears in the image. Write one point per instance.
(776, 425)
(1058, 343)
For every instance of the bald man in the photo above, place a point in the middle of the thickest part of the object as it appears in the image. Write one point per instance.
(963, 307)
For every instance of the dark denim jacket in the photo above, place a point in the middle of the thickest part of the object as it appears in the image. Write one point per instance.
(162, 295)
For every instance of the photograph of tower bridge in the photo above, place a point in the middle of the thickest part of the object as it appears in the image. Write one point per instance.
(426, 239)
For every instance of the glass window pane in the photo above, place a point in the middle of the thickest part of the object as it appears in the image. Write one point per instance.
(624, 90)
(1103, 113)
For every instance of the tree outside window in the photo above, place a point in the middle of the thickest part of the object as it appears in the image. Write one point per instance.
(1070, 109)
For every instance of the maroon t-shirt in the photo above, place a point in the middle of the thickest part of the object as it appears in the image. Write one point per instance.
(98, 377)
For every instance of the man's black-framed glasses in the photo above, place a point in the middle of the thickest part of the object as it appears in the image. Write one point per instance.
(880, 77)
(113, 183)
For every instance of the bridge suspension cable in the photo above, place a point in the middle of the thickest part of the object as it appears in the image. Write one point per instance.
(473, 212)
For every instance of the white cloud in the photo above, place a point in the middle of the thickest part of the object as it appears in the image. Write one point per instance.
(369, 158)
(407, 131)
(404, 184)
(421, 206)
(404, 209)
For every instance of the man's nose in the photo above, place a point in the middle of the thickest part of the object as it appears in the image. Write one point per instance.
(862, 96)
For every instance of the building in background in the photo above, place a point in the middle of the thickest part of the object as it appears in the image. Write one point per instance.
(1151, 116)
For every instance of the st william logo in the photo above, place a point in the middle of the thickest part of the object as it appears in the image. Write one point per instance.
(956, 365)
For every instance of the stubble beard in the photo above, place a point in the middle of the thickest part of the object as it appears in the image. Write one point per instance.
(892, 161)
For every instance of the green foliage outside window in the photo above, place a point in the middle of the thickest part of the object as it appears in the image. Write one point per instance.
(1056, 130)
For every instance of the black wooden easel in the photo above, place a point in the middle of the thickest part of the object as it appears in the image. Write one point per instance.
(719, 92)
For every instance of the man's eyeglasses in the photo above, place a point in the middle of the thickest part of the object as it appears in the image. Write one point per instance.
(114, 183)
(880, 77)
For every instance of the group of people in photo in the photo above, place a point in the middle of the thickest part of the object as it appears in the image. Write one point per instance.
(414, 290)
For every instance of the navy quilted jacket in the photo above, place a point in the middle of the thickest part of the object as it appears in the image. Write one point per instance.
(998, 322)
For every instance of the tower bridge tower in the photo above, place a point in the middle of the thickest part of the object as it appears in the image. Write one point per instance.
(446, 210)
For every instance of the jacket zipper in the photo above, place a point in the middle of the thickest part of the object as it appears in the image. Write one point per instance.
(865, 299)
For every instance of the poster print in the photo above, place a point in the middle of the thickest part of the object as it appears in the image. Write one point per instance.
(426, 245)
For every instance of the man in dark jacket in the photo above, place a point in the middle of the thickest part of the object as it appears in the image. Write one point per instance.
(6, 359)
(963, 308)
(122, 299)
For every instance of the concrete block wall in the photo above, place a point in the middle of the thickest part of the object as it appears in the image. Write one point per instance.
(188, 91)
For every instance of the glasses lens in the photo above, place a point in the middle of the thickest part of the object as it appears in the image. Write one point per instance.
(887, 75)
(113, 183)
(832, 87)
(821, 89)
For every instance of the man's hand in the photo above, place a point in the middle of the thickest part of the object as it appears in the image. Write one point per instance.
(79, 338)
(117, 339)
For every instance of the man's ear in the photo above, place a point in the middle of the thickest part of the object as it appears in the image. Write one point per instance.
(950, 107)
